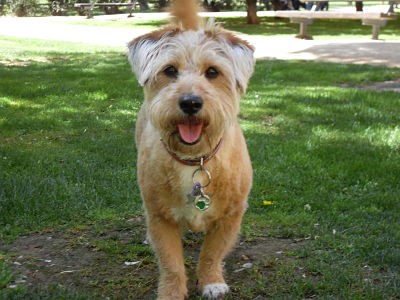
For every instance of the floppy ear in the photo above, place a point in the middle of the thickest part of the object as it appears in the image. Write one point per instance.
(144, 51)
(243, 64)
(241, 55)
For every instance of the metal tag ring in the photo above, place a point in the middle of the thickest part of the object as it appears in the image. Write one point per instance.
(206, 172)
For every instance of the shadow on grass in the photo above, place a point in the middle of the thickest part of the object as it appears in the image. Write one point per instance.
(335, 150)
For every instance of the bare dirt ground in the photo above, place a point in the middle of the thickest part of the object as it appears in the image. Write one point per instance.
(393, 85)
(94, 261)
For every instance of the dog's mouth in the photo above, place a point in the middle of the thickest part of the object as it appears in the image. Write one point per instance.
(190, 130)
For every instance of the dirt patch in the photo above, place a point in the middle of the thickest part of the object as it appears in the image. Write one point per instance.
(27, 62)
(116, 263)
(393, 85)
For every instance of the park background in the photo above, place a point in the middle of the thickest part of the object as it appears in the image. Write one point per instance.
(322, 123)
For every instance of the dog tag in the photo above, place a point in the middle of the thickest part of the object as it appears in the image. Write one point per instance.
(197, 197)
(197, 189)
(202, 202)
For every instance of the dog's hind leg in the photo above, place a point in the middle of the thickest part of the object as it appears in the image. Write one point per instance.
(165, 237)
(218, 242)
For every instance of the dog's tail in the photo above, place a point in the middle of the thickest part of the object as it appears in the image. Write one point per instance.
(185, 13)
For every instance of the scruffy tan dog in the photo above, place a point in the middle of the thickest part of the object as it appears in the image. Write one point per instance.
(194, 169)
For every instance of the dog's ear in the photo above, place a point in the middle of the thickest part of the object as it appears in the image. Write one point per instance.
(243, 60)
(145, 50)
(139, 51)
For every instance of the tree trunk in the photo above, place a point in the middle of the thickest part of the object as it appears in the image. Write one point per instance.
(277, 5)
(143, 5)
(162, 4)
(252, 12)
(359, 6)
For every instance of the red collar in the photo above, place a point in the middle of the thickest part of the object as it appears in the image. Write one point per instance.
(194, 161)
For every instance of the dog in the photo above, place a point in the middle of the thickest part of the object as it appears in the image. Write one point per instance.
(193, 166)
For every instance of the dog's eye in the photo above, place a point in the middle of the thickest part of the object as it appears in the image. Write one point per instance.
(211, 73)
(171, 72)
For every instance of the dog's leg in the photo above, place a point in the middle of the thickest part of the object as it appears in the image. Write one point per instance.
(166, 240)
(218, 242)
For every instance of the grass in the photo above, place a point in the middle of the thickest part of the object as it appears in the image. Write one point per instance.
(335, 151)
(48, 126)
(327, 157)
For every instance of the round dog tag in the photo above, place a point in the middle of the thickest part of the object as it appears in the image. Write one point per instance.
(202, 202)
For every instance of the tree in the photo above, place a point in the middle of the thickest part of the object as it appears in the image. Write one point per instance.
(278, 5)
(359, 6)
(144, 5)
(23, 8)
(162, 4)
(252, 12)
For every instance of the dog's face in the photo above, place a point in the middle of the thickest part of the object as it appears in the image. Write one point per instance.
(192, 82)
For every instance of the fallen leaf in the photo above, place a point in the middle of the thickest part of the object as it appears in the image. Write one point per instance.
(245, 257)
(267, 202)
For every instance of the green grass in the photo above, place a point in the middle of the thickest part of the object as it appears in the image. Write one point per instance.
(335, 150)
(58, 111)
(326, 156)
(5, 274)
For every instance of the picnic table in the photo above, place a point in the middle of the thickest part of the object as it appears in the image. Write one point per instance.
(87, 8)
(305, 18)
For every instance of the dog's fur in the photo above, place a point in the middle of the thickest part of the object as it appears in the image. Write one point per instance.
(191, 47)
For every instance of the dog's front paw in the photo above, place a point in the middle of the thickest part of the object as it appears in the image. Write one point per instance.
(215, 290)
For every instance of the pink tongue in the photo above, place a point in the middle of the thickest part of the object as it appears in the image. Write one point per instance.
(190, 130)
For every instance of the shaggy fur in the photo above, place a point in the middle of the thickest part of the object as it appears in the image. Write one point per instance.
(193, 49)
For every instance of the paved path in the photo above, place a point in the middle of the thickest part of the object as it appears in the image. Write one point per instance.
(357, 51)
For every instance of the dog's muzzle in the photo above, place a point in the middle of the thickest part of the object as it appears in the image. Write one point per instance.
(190, 127)
(190, 104)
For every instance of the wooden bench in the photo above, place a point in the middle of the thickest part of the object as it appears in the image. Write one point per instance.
(305, 18)
(87, 8)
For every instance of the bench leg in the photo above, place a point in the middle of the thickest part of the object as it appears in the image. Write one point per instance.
(131, 8)
(89, 12)
(376, 26)
(303, 27)
(391, 7)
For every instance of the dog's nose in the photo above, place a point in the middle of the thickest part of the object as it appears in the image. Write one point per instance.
(190, 103)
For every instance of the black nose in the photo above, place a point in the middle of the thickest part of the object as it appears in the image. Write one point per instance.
(190, 103)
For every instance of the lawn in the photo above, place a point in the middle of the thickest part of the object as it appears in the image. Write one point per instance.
(326, 157)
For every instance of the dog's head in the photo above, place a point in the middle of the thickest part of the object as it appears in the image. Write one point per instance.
(193, 77)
